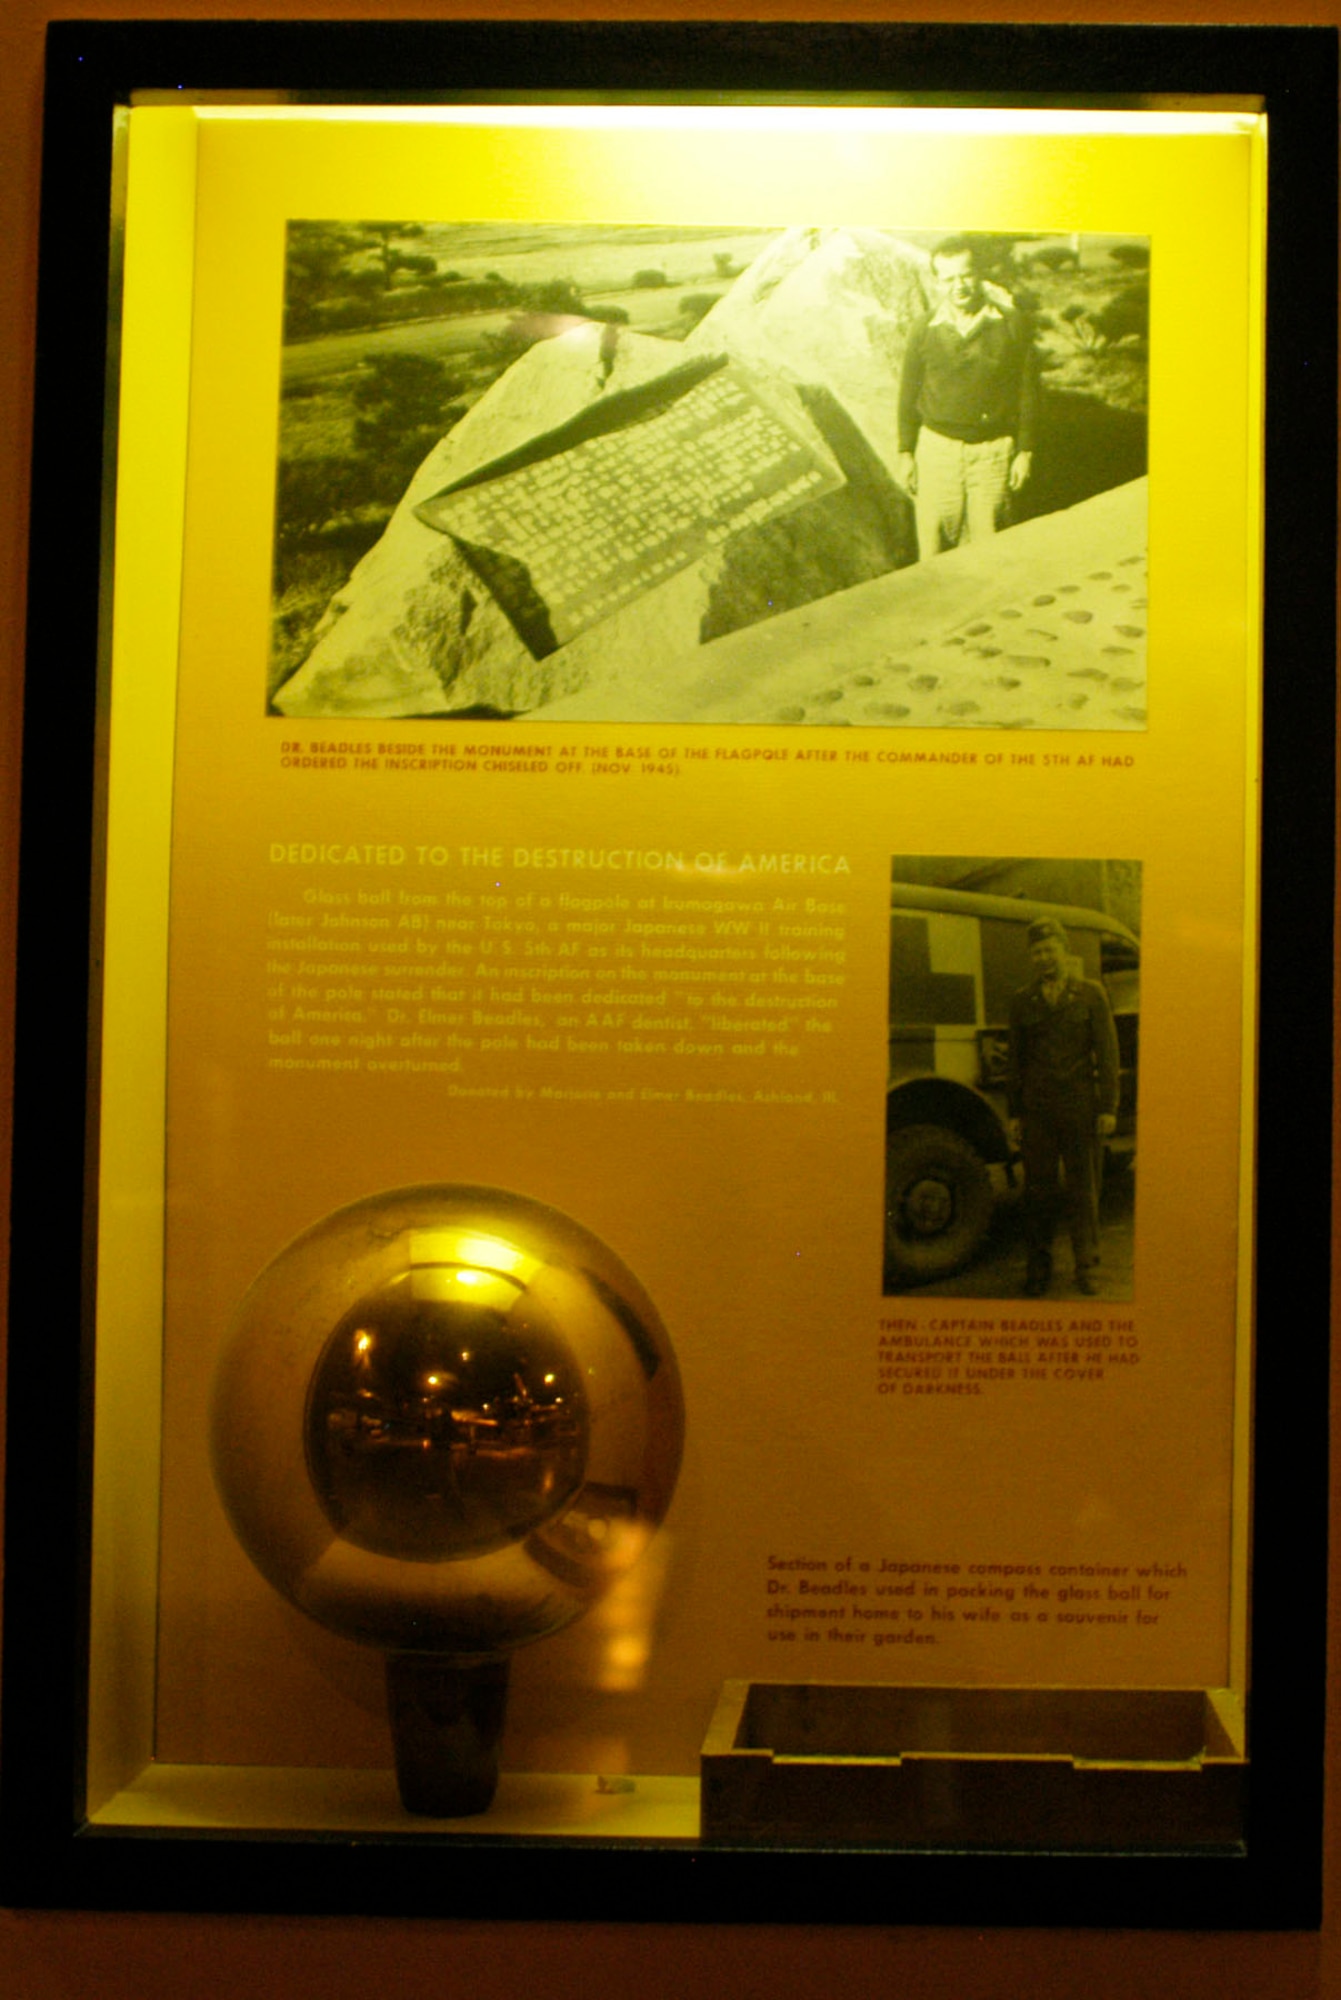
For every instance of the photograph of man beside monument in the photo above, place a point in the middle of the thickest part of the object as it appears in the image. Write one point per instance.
(968, 405)
(695, 475)
(1011, 1107)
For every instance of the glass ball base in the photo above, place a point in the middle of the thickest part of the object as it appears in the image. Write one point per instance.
(446, 1725)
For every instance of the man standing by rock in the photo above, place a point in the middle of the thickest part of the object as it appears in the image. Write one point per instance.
(1062, 1086)
(967, 401)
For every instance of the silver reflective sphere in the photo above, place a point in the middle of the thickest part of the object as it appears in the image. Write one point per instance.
(446, 1420)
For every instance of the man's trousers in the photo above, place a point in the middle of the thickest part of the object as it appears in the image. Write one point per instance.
(1060, 1155)
(963, 490)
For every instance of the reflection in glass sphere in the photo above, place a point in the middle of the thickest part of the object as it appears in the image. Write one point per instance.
(441, 1423)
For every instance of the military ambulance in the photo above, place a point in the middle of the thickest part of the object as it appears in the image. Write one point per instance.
(955, 960)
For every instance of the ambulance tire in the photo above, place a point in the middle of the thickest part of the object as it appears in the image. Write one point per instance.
(938, 1204)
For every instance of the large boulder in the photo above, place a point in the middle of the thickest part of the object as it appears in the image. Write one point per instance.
(818, 322)
(413, 632)
(829, 307)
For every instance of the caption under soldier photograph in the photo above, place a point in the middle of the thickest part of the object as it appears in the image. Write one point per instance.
(808, 475)
(1014, 1018)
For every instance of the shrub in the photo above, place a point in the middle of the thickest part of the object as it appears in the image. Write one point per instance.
(1056, 257)
(1126, 317)
(313, 492)
(403, 404)
(694, 305)
(558, 295)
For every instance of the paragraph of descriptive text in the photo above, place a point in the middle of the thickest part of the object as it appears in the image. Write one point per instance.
(740, 990)
(878, 1601)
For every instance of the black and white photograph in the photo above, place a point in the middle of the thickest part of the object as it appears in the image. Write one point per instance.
(804, 475)
(1014, 1024)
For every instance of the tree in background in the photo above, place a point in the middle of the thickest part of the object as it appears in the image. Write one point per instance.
(340, 274)
(384, 238)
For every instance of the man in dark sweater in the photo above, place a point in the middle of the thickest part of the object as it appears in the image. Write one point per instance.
(967, 401)
(1062, 1093)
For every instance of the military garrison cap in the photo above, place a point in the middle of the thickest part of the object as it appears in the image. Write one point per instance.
(1045, 927)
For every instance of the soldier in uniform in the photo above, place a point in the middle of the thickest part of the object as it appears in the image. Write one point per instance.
(1063, 1096)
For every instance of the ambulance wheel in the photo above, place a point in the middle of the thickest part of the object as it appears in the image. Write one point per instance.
(938, 1203)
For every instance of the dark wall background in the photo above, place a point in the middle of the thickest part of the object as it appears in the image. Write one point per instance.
(99, 1957)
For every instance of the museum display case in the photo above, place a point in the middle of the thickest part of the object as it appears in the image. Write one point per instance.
(672, 1164)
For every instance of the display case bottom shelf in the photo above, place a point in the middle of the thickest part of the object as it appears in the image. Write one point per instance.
(248, 1798)
(807, 1764)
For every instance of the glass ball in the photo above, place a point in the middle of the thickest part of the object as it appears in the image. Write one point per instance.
(446, 1419)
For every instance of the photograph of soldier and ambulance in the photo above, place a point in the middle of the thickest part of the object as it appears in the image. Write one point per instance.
(807, 475)
(1014, 1009)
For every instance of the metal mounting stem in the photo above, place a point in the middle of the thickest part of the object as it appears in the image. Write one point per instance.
(446, 1722)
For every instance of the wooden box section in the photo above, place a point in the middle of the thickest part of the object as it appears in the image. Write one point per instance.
(954, 1767)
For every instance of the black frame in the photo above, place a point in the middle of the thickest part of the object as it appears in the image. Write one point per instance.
(50, 1856)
